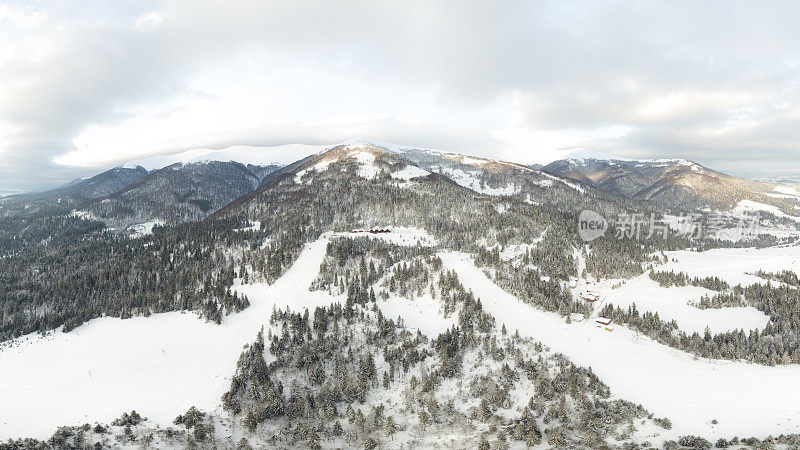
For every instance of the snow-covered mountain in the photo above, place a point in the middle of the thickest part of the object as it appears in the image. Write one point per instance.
(675, 183)
(178, 193)
(376, 295)
(74, 193)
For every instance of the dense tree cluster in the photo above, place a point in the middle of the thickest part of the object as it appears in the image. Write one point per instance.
(671, 278)
(323, 377)
(48, 284)
(784, 276)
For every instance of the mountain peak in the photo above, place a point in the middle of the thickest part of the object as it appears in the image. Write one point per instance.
(395, 148)
(278, 155)
(585, 153)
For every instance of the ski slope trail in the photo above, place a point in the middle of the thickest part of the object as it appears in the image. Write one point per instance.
(745, 399)
(159, 365)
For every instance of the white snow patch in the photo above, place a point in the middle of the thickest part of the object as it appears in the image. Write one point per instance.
(422, 313)
(570, 184)
(672, 303)
(748, 206)
(471, 180)
(734, 265)
(782, 196)
(82, 214)
(474, 161)
(398, 235)
(143, 229)
(408, 172)
(787, 190)
(366, 168)
(254, 225)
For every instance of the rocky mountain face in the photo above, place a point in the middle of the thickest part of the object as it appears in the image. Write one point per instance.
(501, 178)
(74, 193)
(179, 192)
(672, 183)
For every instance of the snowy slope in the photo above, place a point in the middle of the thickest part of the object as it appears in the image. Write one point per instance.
(158, 365)
(745, 399)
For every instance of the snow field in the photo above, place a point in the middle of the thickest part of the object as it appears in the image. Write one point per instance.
(399, 235)
(747, 206)
(672, 303)
(734, 265)
(163, 364)
(159, 365)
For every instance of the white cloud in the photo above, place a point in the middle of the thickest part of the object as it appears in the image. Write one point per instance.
(92, 86)
(149, 21)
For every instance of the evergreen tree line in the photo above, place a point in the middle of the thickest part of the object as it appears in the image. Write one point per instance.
(777, 343)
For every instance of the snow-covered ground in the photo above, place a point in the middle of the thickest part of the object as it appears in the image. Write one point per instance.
(158, 365)
(561, 180)
(745, 399)
(409, 172)
(143, 229)
(672, 303)
(472, 180)
(398, 235)
(163, 364)
(734, 265)
(788, 191)
(423, 314)
(748, 206)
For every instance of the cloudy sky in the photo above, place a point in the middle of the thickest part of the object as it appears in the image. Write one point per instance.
(87, 85)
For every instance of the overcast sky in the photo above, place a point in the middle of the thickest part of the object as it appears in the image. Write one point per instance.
(87, 85)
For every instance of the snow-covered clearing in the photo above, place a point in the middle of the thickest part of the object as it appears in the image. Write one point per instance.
(423, 314)
(747, 206)
(745, 399)
(158, 365)
(472, 180)
(408, 172)
(82, 214)
(783, 196)
(734, 265)
(366, 167)
(787, 190)
(570, 184)
(398, 235)
(318, 167)
(143, 229)
(672, 303)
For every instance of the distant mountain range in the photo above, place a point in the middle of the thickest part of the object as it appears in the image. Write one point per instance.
(192, 185)
(674, 183)
(443, 291)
